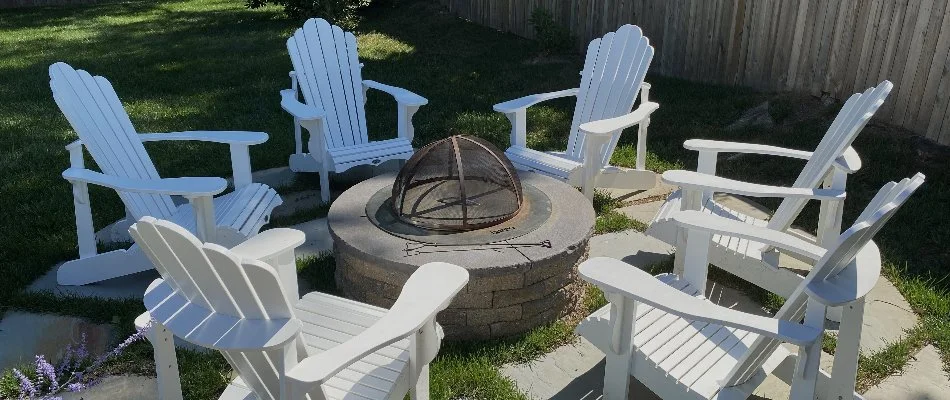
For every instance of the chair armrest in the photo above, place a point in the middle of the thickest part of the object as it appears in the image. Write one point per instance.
(270, 243)
(749, 148)
(402, 96)
(606, 126)
(429, 290)
(229, 137)
(511, 106)
(850, 162)
(699, 181)
(727, 227)
(615, 276)
(849, 285)
(289, 102)
(189, 187)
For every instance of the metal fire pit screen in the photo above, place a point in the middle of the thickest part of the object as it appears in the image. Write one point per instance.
(459, 183)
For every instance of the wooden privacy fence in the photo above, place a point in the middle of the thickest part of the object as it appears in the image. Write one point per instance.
(836, 47)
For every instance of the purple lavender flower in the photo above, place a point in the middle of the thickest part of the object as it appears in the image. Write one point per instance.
(80, 354)
(45, 370)
(73, 358)
(138, 335)
(65, 360)
(27, 388)
(75, 387)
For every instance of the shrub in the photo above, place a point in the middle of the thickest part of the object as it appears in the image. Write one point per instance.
(552, 37)
(338, 12)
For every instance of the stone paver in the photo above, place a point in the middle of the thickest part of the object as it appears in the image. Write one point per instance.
(23, 336)
(318, 238)
(661, 189)
(119, 388)
(923, 379)
(296, 202)
(886, 316)
(274, 177)
(644, 205)
(632, 247)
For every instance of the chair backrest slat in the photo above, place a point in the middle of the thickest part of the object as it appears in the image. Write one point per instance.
(93, 109)
(328, 72)
(167, 263)
(838, 259)
(614, 69)
(195, 261)
(228, 272)
(218, 280)
(852, 118)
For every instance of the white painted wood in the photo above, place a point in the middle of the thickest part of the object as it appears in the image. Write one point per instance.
(163, 344)
(280, 346)
(615, 276)
(701, 221)
(327, 73)
(225, 137)
(847, 350)
(852, 118)
(613, 74)
(696, 258)
(754, 261)
(617, 370)
(806, 370)
(85, 230)
(93, 109)
(700, 181)
(687, 347)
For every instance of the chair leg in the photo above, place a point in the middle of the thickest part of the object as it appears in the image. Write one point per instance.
(805, 378)
(420, 391)
(847, 352)
(616, 377)
(166, 363)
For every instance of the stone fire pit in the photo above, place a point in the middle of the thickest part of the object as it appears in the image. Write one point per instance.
(516, 284)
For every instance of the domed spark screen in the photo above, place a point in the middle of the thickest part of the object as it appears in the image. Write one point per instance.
(457, 184)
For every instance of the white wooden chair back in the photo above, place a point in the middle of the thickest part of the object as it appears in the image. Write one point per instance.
(836, 267)
(852, 118)
(328, 71)
(219, 285)
(614, 70)
(96, 114)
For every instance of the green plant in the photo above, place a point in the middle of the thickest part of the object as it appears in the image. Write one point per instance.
(338, 12)
(552, 37)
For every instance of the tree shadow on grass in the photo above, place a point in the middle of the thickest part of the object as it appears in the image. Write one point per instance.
(176, 67)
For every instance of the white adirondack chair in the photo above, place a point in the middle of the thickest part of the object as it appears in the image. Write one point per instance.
(613, 74)
(828, 166)
(682, 346)
(243, 302)
(327, 72)
(96, 114)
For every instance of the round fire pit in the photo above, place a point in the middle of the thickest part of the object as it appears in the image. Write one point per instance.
(523, 272)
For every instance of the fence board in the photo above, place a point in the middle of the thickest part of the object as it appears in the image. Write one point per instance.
(822, 47)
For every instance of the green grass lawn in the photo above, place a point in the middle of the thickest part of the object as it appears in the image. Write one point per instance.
(211, 64)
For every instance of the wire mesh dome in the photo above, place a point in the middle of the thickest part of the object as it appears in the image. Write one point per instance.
(457, 184)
